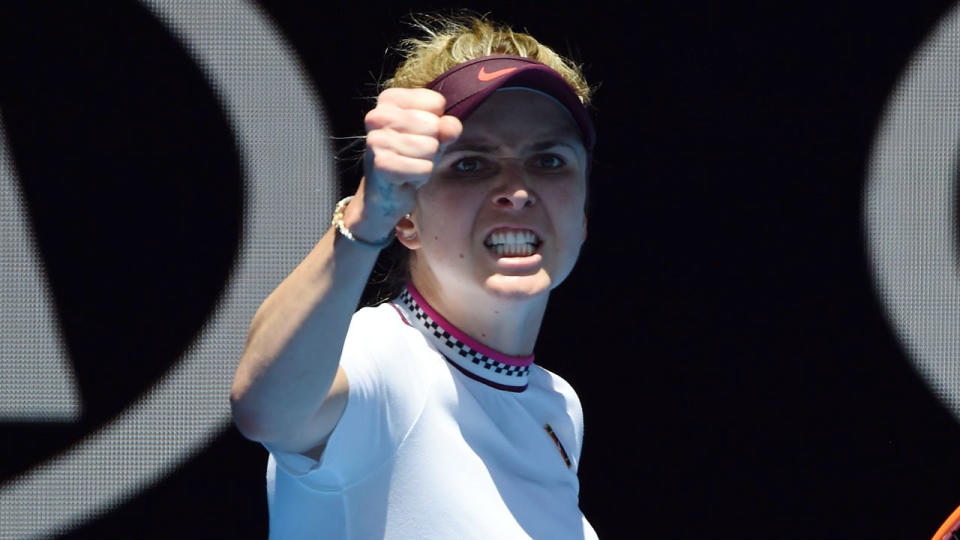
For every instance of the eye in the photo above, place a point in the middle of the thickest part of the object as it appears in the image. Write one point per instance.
(469, 165)
(549, 161)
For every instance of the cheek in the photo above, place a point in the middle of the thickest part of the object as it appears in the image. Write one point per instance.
(570, 226)
(446, 215)
(570, 207)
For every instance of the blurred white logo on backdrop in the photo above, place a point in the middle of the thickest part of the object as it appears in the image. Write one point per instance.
(290, 187)
(910, 208)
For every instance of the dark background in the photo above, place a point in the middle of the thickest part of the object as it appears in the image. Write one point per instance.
(737, 373)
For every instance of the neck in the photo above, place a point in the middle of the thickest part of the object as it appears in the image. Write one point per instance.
(507, 325)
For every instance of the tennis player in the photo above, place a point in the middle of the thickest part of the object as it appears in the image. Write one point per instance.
(426, 417)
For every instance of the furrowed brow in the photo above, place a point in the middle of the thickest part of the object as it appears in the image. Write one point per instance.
(544, 145)
(469, 146)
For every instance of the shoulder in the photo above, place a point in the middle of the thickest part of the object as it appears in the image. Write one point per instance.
(382, 348)
(386, 315)
(375, 326)
(542, 377)
(554, 380)
(550, 381)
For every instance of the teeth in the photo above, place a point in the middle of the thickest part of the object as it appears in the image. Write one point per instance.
(513, 243)
(514, 250)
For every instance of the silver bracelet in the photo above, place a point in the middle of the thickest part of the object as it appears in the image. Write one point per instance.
(342, 229)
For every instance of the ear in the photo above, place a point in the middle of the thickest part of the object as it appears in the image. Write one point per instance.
(407, 233)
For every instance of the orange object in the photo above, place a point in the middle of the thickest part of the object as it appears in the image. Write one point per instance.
(556, 441)
(950, 526)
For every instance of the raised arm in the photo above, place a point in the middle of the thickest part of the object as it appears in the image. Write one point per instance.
(288, 389)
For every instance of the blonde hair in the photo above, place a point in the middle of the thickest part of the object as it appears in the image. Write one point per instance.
(449, 41)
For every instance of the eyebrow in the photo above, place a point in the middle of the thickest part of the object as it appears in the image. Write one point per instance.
(471, 146)
(476, 146)
(550, 144)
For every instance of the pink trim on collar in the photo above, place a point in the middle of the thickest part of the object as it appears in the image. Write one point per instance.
(467, 340)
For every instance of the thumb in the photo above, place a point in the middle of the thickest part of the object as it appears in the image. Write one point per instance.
(448, 130)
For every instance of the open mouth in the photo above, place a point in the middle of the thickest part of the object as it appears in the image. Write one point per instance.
(519, 243)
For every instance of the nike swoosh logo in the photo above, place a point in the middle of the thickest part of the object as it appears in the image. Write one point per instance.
(483, 76)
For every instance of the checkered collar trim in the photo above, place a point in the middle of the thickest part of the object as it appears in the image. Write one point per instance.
(469, 356)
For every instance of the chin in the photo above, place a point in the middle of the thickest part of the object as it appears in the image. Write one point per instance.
(519, 287)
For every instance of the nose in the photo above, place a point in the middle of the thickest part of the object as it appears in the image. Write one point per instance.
(512, 191)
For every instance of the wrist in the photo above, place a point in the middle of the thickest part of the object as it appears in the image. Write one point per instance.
(351, 221)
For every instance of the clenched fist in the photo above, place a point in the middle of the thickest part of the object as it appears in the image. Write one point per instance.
(406, 131)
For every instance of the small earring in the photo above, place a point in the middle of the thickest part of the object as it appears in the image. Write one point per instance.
(413, 234)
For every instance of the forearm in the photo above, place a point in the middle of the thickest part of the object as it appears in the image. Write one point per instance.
(289, 366)
(296, 338)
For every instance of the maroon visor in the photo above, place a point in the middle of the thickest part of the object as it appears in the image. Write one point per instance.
(467, 85)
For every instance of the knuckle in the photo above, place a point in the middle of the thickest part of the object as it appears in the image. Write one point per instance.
(430, 145)
(388, 95)
(452, 126)
(427, 123)
(382, 160)
(386, 163)
(374, 118)
(416, 116)
(424, 168)
(434, 100)
(376, 138)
